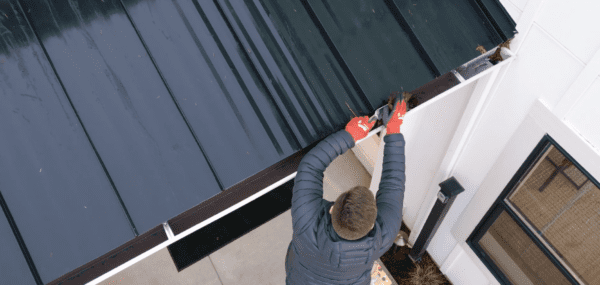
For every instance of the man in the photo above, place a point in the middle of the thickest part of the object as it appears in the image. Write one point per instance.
(338, 242)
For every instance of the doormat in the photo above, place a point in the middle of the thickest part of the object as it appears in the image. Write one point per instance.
(380, 275)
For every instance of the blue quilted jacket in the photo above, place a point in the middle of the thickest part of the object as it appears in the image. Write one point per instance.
(317, 255)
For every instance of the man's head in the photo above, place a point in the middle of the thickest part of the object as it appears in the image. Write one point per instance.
(354, 212)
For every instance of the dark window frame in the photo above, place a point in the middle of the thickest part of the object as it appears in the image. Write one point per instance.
(500, 206)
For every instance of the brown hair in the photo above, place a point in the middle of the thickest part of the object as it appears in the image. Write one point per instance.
(354, 213)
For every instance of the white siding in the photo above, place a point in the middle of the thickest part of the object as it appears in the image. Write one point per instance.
(552, 86)
(530, 76)
(539, 121)
(586, 118)
(575, 24)
(519, 147)
(428, 130)
(519, 3)
(463, 270)
(542, 69)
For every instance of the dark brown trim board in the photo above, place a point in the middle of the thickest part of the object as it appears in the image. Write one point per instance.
(227, 229)
(114, 258)
(238, 192)
(432, 89)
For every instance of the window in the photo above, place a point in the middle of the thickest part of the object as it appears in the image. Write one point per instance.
(545, 226)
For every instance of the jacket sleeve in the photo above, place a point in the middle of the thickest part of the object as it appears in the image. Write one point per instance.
(390, 196)
(307, 196)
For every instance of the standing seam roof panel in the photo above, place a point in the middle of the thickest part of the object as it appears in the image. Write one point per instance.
(62, 202)
(291, 73)
(316, 62)
(448, 37)
(378, 51)
(13, 266)
(499, 17)
(236, 122)
(149, 152)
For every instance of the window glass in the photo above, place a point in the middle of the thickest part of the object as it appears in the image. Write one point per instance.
(558, 202)
(519, 258)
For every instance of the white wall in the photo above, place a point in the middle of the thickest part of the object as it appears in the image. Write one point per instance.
(428, 130)
(552, 86)
(585, 114)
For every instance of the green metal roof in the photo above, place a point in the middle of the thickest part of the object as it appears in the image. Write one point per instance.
(119, 115)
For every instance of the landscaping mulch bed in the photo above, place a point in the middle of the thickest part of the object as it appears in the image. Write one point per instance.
(404, 271)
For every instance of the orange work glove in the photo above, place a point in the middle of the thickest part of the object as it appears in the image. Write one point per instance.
(359, 127)
(395, 120)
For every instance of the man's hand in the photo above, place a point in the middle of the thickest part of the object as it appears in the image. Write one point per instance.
(395, 120)
(359, 127)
